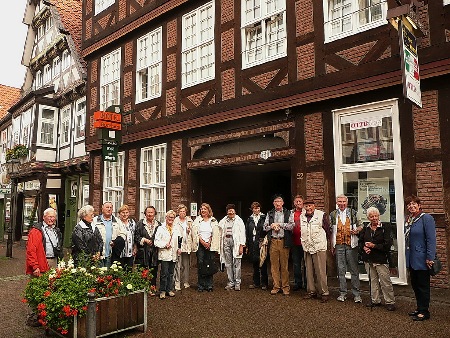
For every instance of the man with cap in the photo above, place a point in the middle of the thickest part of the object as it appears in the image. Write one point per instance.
(279, 224)
(315, 233)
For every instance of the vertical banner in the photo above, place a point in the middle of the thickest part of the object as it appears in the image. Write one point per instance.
(410, 65)
(374, 192)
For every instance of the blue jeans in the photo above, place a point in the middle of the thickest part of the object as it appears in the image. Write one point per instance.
(166, 277)
(347, 259)
(298, 261)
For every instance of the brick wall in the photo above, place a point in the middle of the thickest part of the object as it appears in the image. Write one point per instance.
(228, 84)
(97, 177)
(355, 54)
(313, 137)
(430, 186)
(264, 79)
(227, 41)
(171, 101)
(176, 158)
(175, 191)
(171, 33)
(426, 122)
(226, 11)
(304, 17)
(315, 189)
(441, 280)
(305, 61)
(171, 67)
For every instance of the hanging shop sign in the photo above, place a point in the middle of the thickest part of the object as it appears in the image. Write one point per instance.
(109, 126)
(409, 64)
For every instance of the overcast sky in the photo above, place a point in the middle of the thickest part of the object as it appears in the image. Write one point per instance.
(12, 42)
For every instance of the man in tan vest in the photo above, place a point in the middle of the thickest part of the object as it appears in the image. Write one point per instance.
(344, 244)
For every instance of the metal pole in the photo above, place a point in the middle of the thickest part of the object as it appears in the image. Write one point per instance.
(91, 320)
(12, 220)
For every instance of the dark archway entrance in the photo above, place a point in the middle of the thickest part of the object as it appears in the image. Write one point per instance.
(241, 185)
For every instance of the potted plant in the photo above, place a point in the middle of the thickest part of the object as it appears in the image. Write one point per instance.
(59, 297)
(19, 151)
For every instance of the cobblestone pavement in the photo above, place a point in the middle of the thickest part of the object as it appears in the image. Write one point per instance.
(245, 313)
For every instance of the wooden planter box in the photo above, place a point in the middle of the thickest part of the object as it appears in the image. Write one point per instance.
(115, 314)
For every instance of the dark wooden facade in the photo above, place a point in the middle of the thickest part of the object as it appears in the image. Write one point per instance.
(290, 99)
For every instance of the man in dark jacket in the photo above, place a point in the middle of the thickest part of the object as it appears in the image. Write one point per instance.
(279, 223)
(254, 234)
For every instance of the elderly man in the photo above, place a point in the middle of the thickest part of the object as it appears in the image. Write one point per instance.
(279, 224)
(232, 244)
(44, 245)
(315, 232)
(112, 232)
(344, 244)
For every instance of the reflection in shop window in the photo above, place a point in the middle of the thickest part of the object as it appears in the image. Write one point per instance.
(367, 140)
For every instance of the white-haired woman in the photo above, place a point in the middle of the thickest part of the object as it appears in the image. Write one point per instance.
(184, 225)
(86, 238)
(375, 244)
(166, 240)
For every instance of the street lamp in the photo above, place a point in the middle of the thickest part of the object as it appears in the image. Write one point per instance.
(12, 167)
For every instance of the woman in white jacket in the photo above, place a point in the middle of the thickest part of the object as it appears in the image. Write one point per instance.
(166, 240)
(183, 223)
(232, 243)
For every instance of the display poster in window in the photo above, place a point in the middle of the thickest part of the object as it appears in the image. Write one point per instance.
(193, 210)
(52, 201)
(374, 192)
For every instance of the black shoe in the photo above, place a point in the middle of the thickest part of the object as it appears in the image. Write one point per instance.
(373, 304)
(420, 317)
(210, 289)
(413, 313)
(200, 290)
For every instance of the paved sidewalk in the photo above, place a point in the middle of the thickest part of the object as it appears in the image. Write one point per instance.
(247, 313)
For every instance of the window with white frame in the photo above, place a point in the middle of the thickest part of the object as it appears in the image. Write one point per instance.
(114, 181)
(197, 55)
(47, 74)
(40, 31)
(347, 17)
(65, 60)
(110, 79)
(101, 5)
(65, 125)
(153, 179)
(4, 144)
(368, 168)
(446, 2)
(56, 67)
(26, 128)
(263, 31)
(80, 118)
(149, 66)
(38, 80)
(47, 126)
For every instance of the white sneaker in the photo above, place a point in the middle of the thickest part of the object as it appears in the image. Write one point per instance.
(186, 285)
(162, 295)
(237, 287)
(229, 287)
(358, 299)
(341, 298)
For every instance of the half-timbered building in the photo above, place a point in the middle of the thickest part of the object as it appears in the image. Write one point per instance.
(231, 101)
(49, 118)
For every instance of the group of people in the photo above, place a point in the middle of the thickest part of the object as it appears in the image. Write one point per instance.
(304, 233)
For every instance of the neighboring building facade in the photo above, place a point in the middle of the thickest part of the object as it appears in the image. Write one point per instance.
(233, 101)
(8, 96)
(50, 116)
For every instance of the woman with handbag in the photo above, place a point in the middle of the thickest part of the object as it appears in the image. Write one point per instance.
(129, 227)
(207, 240)
(420, 244)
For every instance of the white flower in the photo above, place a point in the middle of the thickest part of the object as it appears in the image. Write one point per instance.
(116, 270)
(70, 264)
(82, 269)
(73, 270)
(129, 286)
(104, 269)
(114, 267)
(61, 264)
(93, 267)
(51, 276)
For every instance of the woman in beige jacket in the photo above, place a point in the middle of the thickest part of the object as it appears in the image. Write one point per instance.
(183, 224)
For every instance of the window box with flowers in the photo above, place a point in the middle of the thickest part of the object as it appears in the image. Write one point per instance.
(18, 152)
(59, 298)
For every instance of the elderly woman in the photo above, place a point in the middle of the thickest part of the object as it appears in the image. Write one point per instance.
(375, 243)
(144, 237)
(183, 223)
(129, 227)
(206, 237)
(420, 243)
(166, 240)
(86, 238)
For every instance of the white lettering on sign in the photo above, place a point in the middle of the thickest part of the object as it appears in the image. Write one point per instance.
(366, 124)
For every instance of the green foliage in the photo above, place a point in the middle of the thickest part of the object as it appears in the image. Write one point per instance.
(61, 293)
(16, 152)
